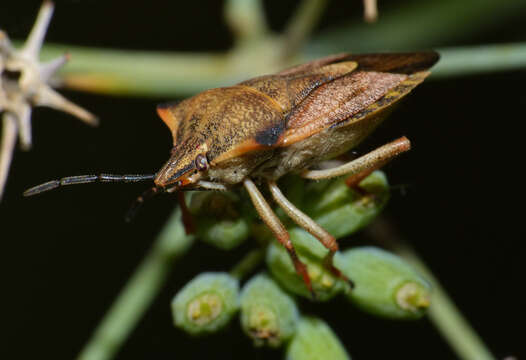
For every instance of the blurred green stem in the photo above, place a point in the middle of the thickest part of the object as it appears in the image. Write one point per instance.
(301, 25)
(246, 18)
(249, 262)
(417, 25)
(174, 74)
(258, 51)
(444, 314)
(138, 293)
(481, 59)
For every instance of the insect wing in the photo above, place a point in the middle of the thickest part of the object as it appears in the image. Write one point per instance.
(379, 81)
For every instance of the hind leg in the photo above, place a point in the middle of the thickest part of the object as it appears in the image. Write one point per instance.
(364, 165)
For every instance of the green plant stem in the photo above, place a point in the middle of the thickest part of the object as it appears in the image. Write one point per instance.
(443, 313)
(174, 74)
(140, 73)
(462, 61)
(420, 24)
(249, 262)
(246, 19)
(301, 25)
(139, 292)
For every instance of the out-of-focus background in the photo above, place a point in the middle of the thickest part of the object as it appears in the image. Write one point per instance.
(457, 196)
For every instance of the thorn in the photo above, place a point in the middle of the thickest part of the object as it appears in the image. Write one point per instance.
(35, 39)
(7, 145)
(370, 11)
(3, 98)
(5, 44)
(48, 69)
(24, 123)
(46, 96)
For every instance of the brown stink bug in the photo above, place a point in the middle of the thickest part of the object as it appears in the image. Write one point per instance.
(268, 126)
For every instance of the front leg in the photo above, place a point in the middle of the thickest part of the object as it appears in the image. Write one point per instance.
(271, 220)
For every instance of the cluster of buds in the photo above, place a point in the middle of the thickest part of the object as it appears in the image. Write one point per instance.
(385, 285)
(24, 83)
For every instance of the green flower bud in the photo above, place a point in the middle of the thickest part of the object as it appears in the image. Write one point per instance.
(315, 340)
(268, 314)
(342, 211)
(206, 304)
(224, 234)
(218, 219)
(386, 285)
(311, 252)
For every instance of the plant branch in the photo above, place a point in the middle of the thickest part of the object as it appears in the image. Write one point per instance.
(139, 292)
(443, 313)
(301, 25)
(246, 19)
(471, 60)
(141, 73)
(173, 74)
(249, 262)
(421, 24)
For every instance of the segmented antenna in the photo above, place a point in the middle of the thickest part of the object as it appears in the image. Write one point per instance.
(86, 179)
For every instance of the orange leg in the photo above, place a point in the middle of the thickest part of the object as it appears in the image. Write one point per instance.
(272, 221)
(312, 227)
(188, 221)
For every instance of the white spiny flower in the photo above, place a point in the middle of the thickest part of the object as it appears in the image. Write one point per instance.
(29, 87)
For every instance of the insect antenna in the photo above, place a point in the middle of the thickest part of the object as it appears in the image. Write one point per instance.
(137, 204)
(86, 179)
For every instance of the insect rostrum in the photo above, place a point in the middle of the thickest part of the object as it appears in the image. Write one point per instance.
(265, 127)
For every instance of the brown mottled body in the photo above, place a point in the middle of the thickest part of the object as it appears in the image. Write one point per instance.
(275, 124)
(266, 127)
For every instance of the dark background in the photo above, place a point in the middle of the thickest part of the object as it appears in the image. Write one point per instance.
(66, 254)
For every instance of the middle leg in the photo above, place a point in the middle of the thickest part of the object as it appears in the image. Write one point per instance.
(272, 221)
(310, 226)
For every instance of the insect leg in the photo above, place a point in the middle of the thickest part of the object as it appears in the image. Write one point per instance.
(211, 185)
(272, 221)
(188, 221)
(364, 165)
(310, 226)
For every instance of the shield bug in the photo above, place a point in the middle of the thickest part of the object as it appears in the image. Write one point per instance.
(289, 122)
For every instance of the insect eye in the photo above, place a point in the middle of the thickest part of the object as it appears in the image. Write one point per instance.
(201, 163)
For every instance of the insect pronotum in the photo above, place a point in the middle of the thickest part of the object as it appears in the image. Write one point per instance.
(289, 122)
